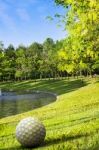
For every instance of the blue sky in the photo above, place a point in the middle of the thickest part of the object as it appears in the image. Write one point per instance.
(24, 21)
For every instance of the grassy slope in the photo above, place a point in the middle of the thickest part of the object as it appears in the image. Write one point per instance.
(72, 122)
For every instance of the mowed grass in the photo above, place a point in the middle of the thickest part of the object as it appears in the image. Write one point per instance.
(72, 122)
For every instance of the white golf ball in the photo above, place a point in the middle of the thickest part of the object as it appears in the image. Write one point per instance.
(30, 132)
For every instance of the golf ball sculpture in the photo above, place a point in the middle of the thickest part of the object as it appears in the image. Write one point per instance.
(30, 132)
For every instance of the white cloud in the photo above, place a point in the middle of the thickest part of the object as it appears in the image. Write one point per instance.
(22, 2)
(23, 14)
(42, 9)
(5, 18)
(3, 6)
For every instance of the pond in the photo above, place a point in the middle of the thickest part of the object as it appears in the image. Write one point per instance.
(12, 102)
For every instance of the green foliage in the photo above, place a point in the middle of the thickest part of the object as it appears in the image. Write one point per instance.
(82, 23)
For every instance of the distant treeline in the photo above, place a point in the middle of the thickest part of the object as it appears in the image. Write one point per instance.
(48, 60)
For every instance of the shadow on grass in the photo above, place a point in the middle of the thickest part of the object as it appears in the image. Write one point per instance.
(55, 86)
(97, 81)
(49, 142)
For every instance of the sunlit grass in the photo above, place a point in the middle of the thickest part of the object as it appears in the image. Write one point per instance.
(72, 122)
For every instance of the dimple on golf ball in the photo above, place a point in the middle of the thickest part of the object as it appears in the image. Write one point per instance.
(30, 132)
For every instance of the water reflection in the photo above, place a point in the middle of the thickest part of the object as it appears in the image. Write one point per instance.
(12, 103)
(0, 92)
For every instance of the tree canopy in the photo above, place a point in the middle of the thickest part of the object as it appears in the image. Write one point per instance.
(82, 23)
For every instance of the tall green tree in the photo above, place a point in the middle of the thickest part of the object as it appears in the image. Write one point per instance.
(20, 62)
(9, 60)
(48, 48)
(34, 54)
(1, 59)
(82, 23)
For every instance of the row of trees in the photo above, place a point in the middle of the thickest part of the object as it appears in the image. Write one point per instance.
(32, 62)
(48, 60)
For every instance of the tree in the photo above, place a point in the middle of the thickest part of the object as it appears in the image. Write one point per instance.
(82, 23)
(34, 54)
(10, 58)
(48, 48)
(1, 59)
(20, 62)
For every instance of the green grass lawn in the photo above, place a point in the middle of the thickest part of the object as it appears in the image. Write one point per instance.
(72, 122)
